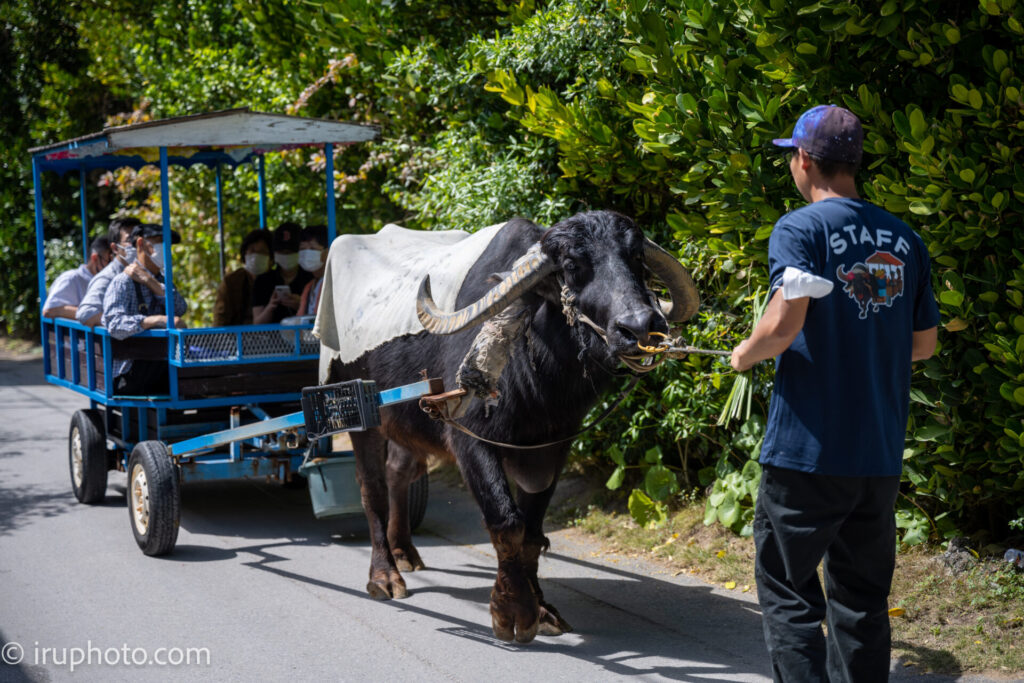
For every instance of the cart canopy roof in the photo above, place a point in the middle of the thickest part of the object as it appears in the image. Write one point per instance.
(231, 137)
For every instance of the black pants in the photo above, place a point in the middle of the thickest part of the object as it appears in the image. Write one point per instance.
(849, 522)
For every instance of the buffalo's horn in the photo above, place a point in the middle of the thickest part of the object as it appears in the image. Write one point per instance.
(530, 269)
(671, 272)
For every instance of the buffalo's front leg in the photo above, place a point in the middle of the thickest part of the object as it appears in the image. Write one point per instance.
(533, 507)
(514, 608)
(371, 455)
(402, 469)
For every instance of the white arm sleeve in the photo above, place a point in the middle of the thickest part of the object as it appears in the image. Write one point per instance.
(797, 283)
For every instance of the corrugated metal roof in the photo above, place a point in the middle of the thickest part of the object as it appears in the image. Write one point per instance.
(228, 137)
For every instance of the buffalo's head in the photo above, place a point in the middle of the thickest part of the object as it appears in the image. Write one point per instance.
(599, 259)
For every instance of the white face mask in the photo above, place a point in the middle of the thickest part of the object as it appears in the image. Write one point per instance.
(256, 263)
(287, 261)
(310, 260)
(158, 256)
(126, 253)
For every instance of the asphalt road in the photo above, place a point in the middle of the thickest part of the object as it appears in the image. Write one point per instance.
(257, 589)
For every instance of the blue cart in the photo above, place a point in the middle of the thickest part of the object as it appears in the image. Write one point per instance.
(233, 409)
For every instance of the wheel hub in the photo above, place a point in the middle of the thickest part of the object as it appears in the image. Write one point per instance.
(140, 499)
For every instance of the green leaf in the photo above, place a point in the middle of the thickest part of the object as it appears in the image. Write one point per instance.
(686, 103)
(729, 510)
(951, 298)
(645, 511)
(615, 453)
(918, 127)
(710, 514)
(974, 99)
(660, 482)
(999, 61)
(930, 432)
(902, 125)
(807, 48)
(615, 481)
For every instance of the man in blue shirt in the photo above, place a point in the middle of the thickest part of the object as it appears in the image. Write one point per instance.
(851, 308)
(132, 305)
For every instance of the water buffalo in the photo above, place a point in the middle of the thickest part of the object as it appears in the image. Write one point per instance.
(556, 373)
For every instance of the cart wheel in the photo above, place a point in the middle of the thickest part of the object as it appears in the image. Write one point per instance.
(154, 499)
(419, 491)
(87, 456)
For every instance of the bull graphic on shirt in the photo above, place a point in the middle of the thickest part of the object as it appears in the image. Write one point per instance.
(873, 283)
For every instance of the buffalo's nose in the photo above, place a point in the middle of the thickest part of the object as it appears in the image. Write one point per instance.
(635, 326)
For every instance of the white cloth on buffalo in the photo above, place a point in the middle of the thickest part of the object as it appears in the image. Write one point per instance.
(371, 281)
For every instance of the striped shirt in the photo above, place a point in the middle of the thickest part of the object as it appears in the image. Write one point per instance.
(123, 312)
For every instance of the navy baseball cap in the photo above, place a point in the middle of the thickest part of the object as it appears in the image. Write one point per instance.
(829, 132)
(148, 230)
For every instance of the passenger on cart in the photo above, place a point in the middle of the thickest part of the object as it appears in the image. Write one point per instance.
(90, 310)
(67, 290)
(234, 295)
(313, 260)
(276, 293)
(132, 305)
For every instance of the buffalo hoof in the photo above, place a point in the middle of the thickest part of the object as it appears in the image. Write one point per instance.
(512, 619)
(551, 622)
(506, 629)
(387, 587)
(407, 560)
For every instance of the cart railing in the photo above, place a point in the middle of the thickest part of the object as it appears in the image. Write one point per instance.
(205, 366)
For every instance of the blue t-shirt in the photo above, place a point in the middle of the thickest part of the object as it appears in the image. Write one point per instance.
(842, 388)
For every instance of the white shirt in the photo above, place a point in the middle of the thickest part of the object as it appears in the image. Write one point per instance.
(69, 288)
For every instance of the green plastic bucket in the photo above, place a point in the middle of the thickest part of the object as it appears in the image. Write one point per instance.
(333, 488)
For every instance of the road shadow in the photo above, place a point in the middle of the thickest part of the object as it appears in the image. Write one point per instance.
(21, 372)
(621, 642)
(21, 505)
(924, 658)
(16, 663)
(255, 509)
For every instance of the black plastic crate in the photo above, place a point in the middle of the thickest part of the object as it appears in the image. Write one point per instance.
(342, 407)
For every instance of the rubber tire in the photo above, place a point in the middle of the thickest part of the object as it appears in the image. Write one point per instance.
(161, 475)
(89, 426)
(419, 492)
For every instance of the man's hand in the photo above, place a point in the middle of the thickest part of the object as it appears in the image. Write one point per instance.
(292, 300)
(151, 322)
(136, 272)
(739, 360)
(781, 323)
(139, 274)
(154, 321)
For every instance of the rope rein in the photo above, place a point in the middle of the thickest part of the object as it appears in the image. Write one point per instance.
(651, 358)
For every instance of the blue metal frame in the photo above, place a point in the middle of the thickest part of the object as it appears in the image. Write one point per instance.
(332, 229)
(261, 179)
(220, 219)
(85, 218)
(267, 458)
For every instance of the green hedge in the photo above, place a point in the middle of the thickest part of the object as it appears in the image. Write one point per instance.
(683, 131)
